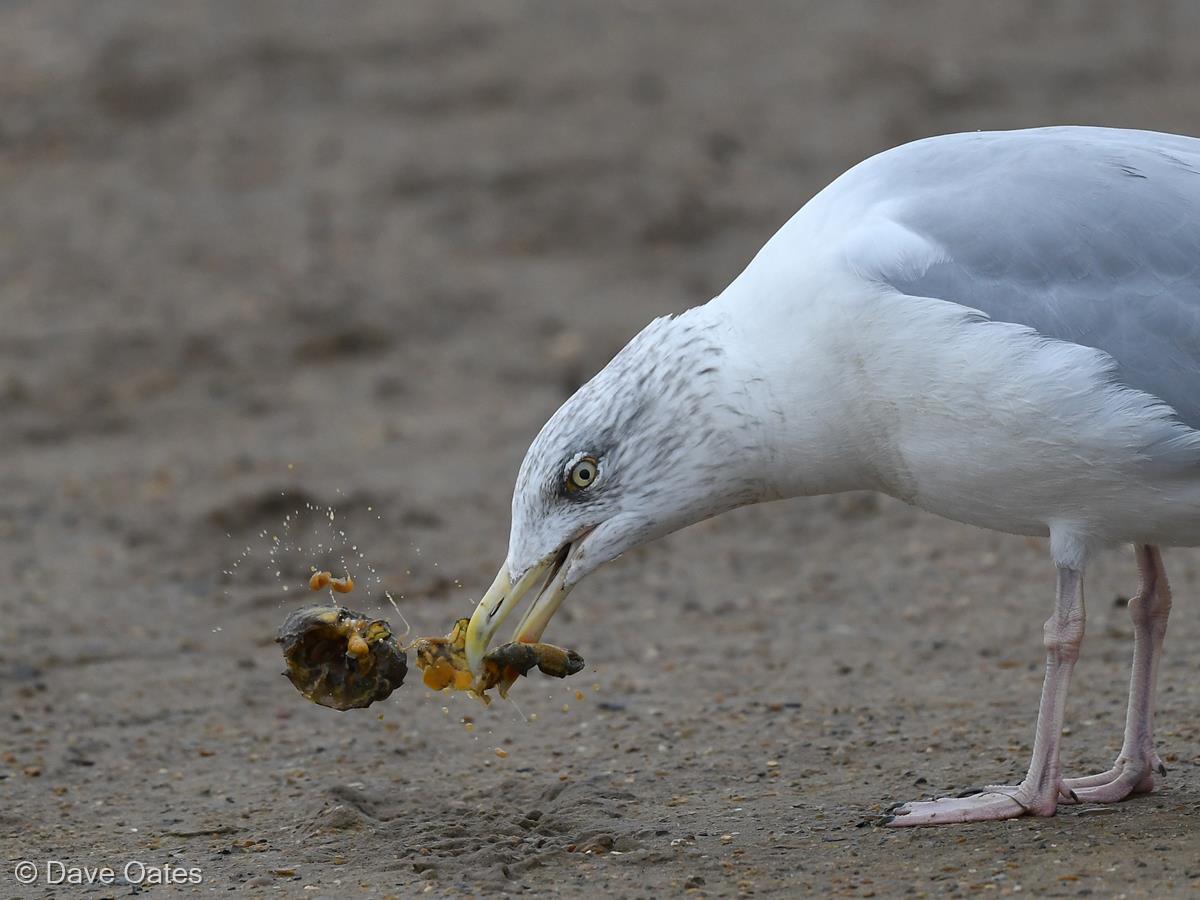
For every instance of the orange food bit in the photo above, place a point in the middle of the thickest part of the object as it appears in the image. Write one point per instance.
(321, 580)
(438, 675)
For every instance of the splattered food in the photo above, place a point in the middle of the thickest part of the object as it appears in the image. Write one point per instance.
(443, 660)
(321, 580)
(340, 658)
(444, 663)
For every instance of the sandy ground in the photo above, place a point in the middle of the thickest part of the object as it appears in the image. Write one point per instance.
(261, 257)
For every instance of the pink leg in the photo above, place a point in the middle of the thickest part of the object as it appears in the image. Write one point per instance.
(1038, 794)
(1133, 772)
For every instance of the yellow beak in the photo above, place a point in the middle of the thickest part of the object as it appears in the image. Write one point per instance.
(503, 596)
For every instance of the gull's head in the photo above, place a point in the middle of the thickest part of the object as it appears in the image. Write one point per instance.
(656, 441)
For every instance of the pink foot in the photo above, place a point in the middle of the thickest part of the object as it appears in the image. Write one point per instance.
(994, 802)
(1127, 777)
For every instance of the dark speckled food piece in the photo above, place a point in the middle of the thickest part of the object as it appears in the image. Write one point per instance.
(508, 662)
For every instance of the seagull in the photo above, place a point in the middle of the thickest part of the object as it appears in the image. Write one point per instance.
(1002, 328)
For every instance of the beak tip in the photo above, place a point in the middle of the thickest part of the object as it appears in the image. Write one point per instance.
(488, 615)
(473, 646)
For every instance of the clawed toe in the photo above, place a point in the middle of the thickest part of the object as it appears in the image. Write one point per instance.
(988, 804)
(1126, 778)
(1066, 794)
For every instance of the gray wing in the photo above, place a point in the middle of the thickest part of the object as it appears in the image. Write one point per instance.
(1086, 235)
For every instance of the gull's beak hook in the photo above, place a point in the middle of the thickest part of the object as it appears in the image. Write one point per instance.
(504, 595)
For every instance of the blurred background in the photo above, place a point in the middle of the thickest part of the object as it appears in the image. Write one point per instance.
(260, 258)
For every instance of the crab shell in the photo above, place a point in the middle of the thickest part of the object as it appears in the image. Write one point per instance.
(323, 647)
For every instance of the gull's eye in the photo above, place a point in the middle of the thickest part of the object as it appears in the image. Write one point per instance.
(582, 474)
